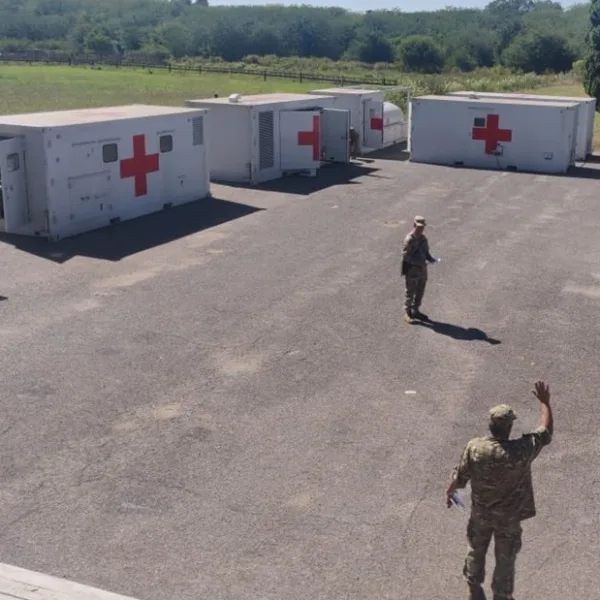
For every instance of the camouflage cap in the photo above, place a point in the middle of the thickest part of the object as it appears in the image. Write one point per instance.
(502, 412)
(420, 221)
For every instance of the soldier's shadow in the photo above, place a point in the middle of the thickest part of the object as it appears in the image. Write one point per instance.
(457, 332)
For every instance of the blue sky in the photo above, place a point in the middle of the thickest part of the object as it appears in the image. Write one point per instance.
(361, 5)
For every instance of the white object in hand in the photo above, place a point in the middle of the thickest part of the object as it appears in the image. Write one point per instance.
(462, 498)
(456, 499)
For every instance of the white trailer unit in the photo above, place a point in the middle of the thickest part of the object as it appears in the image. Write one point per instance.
(587, 112)
(395, 127)
(67, 172)
(366, 113)
(259, 138)
(500, 134)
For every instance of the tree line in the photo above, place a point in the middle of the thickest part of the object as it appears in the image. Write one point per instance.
(527, 35)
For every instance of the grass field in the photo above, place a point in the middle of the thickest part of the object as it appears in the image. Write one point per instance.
(25, 88)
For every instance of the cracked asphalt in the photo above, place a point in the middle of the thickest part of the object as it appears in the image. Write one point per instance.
(211, 402)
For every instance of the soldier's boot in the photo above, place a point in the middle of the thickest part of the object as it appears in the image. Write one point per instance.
(476, 593)
(409, 316)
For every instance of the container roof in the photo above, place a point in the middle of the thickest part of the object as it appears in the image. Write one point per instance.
(259, 99)
(516, 95)
(349, 91)
(502, 100)
(89, 115)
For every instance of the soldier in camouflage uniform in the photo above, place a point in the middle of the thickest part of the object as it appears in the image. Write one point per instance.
(415, 256)
(499, 470)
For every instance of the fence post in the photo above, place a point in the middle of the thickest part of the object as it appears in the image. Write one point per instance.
(265, 75)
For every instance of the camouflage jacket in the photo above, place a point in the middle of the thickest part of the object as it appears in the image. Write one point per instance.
(500, 475)
(415, 250)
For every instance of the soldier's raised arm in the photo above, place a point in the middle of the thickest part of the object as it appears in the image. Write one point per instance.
(542, 435)
(542, 393)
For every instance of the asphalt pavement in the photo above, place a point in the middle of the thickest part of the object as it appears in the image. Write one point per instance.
(223, 401)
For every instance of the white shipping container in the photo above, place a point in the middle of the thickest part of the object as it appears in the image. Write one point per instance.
(587, 113)
(259, 138)
(366, 114)
(67, 172)
(501, 134)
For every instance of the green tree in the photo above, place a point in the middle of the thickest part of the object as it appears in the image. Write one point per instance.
(540, 53)
(174, 36)
(505, 7)
(468, 52)
(420, 54)
(371, 47)
(97, 42)
(591, 79)
(464, 38)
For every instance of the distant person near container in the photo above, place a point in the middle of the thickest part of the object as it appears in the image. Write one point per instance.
(354, 138)
(499, 470)
(415, 256)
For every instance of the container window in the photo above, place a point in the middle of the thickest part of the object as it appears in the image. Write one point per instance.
(479, 122)
(166, 143)
(110, 153)
(13, 162)
(198, 131)
(266, 140)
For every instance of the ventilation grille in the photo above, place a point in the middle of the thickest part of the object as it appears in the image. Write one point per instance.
(266, 140)
(198, 128)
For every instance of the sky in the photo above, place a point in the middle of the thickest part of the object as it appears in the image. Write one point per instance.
(362, 5)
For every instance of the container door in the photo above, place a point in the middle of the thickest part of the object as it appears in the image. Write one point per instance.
(335, 128)
(172, 172)
(590, 116)
(14, 204)
(300, 139)
(373, 124)
(578, 142)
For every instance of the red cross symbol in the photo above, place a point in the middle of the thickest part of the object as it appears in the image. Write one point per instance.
(140, 165)
(376, 122)
(491, 134)
(312, 138)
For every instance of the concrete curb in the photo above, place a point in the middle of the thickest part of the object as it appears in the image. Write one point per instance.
(21, 584)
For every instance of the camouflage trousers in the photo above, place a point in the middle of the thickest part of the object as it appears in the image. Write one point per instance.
(507, 544)
(416, 280)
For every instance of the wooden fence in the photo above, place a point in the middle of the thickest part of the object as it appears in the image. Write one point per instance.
(154, 63)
